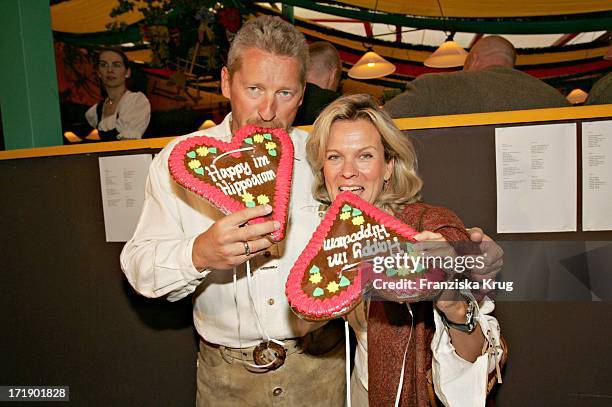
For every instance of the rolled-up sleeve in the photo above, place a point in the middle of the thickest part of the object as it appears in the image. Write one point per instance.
(133, 118)
(157, 261)
(458, 382)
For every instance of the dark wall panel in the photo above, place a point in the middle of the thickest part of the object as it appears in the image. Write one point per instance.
(69, 316)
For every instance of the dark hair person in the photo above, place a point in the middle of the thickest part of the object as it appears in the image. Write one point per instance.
(355, 146)
(122, 114)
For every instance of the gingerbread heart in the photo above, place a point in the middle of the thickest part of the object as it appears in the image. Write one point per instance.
(255, 168)
(329, 276)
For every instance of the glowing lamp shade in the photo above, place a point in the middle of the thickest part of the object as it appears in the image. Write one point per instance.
(577, 96)
(448, 55)
(207, 125)
(371, 66)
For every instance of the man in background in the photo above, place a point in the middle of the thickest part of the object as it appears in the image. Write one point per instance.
(601, 92)
(322, 81)
(488, 83)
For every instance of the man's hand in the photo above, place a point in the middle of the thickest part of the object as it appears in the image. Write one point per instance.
(222, 246)
(492, 252)
(450, 302)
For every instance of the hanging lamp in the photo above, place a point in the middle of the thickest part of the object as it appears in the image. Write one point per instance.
(448, 55)
(371, 66)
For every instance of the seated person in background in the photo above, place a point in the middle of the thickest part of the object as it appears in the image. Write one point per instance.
(488, 83)
(354, 143)
(322, 81)
(601, 92)
(122, 114)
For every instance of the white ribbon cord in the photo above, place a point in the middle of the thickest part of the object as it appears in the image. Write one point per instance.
(400, 385)
(347, 358)
(260, 328)
(231, 152)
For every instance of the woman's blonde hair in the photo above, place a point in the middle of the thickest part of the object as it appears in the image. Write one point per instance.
(404, 185)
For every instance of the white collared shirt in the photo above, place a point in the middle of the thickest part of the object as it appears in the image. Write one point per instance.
(158, 259)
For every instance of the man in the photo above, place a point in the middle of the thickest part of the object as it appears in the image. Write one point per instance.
(322, 81)
(488, 83)
(601, 92)
(183, 245)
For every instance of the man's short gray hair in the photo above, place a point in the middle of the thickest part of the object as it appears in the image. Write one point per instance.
(271, 34)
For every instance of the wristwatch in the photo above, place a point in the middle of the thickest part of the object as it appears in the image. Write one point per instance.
(470, 319)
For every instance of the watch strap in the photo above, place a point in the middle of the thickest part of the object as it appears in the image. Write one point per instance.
(470, 319)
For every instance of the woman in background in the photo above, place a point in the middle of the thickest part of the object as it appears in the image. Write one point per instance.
(355, 146)
(122, 114)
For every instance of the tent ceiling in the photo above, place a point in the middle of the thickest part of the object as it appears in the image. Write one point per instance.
(350, 28)
(88, 16)
(483, 8)
(432, 38)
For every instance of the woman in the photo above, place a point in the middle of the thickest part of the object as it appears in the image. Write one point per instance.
(122, 114)
(355, 146)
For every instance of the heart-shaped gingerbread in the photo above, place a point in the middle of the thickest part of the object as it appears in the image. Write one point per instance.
(255, 168)
(329, 277)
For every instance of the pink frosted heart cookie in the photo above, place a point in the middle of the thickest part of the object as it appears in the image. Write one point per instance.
(255, 168)
(329, 277)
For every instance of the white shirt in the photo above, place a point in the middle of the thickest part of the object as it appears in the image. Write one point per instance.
(131, 117)
(457, 382)
(158, 262)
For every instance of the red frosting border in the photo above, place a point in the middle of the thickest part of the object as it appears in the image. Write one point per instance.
(317, 309)
(226, 203)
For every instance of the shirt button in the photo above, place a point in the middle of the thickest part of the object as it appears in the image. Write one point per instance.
(267, 254)
(277, 391)
(271, 301)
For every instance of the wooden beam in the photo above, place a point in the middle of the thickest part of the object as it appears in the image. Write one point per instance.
(476, 38)
(368, 29)
(334, 20)
(564, 39)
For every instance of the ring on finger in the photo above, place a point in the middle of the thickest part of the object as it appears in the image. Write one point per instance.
(247, 249)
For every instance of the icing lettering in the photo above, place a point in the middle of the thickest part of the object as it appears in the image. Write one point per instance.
(261, 161)
(378, 232)
(337, 259)
(233, 172)
(240, 187)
